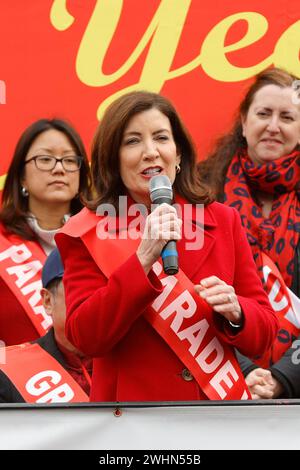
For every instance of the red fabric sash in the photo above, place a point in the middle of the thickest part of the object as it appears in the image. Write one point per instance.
(287, 307)
(277, 235)
(21, 262)
(189, 332)
(39, 377)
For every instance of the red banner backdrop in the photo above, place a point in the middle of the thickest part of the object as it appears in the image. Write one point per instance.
(70, 58)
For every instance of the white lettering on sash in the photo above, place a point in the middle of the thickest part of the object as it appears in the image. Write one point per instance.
(18, 254)
(214, 348)
(34, 287)
(43, 382)
(293, 313)
(169, 283)
(245, 395)
(184, 306)
(36, 386)
(276, 304)
(25, 272)
(212, 355)
(279, 304)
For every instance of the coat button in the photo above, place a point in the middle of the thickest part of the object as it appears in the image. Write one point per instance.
(186, 375)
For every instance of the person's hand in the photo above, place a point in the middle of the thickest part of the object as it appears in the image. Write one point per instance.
(161, 226)
(221, 297)
(262, 384)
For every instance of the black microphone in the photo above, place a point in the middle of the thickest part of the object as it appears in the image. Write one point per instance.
(160, 192)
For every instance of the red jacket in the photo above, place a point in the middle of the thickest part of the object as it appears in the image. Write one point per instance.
(105, 317)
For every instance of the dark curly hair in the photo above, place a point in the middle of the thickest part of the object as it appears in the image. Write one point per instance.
(107, 141)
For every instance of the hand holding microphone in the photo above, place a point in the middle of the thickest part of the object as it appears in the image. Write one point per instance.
(162, 228)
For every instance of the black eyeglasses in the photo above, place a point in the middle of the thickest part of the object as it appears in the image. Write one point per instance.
(48, 162)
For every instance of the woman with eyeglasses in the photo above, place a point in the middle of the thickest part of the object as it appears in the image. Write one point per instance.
(46, 181)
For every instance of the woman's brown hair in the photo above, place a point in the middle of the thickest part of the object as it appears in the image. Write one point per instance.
(14, 206)
(213, 169)
(108, 138)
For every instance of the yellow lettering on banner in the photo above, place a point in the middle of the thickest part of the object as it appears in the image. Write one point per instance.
(164, 33)
(35, 299)
(95, 43)
(280, 298)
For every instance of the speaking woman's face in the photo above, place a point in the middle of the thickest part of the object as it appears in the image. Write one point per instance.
(147, 149)
(272, 124)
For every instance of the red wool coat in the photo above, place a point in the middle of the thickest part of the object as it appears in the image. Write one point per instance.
(105, 317)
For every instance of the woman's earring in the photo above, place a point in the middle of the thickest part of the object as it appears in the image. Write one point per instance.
(177, 168)
(24, 192)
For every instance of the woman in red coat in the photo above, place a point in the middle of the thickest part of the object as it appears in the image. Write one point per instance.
(155, 336)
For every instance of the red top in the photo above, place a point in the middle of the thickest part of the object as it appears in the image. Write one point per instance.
(105, 317)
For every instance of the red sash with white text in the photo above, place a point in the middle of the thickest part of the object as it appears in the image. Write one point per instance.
(180, 316)
(21, 262)
(39, 377)
(287, 307)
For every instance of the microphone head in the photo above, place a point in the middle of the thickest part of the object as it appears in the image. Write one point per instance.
(161, 190)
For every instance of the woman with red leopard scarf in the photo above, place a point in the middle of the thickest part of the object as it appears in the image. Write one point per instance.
(256, 169)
